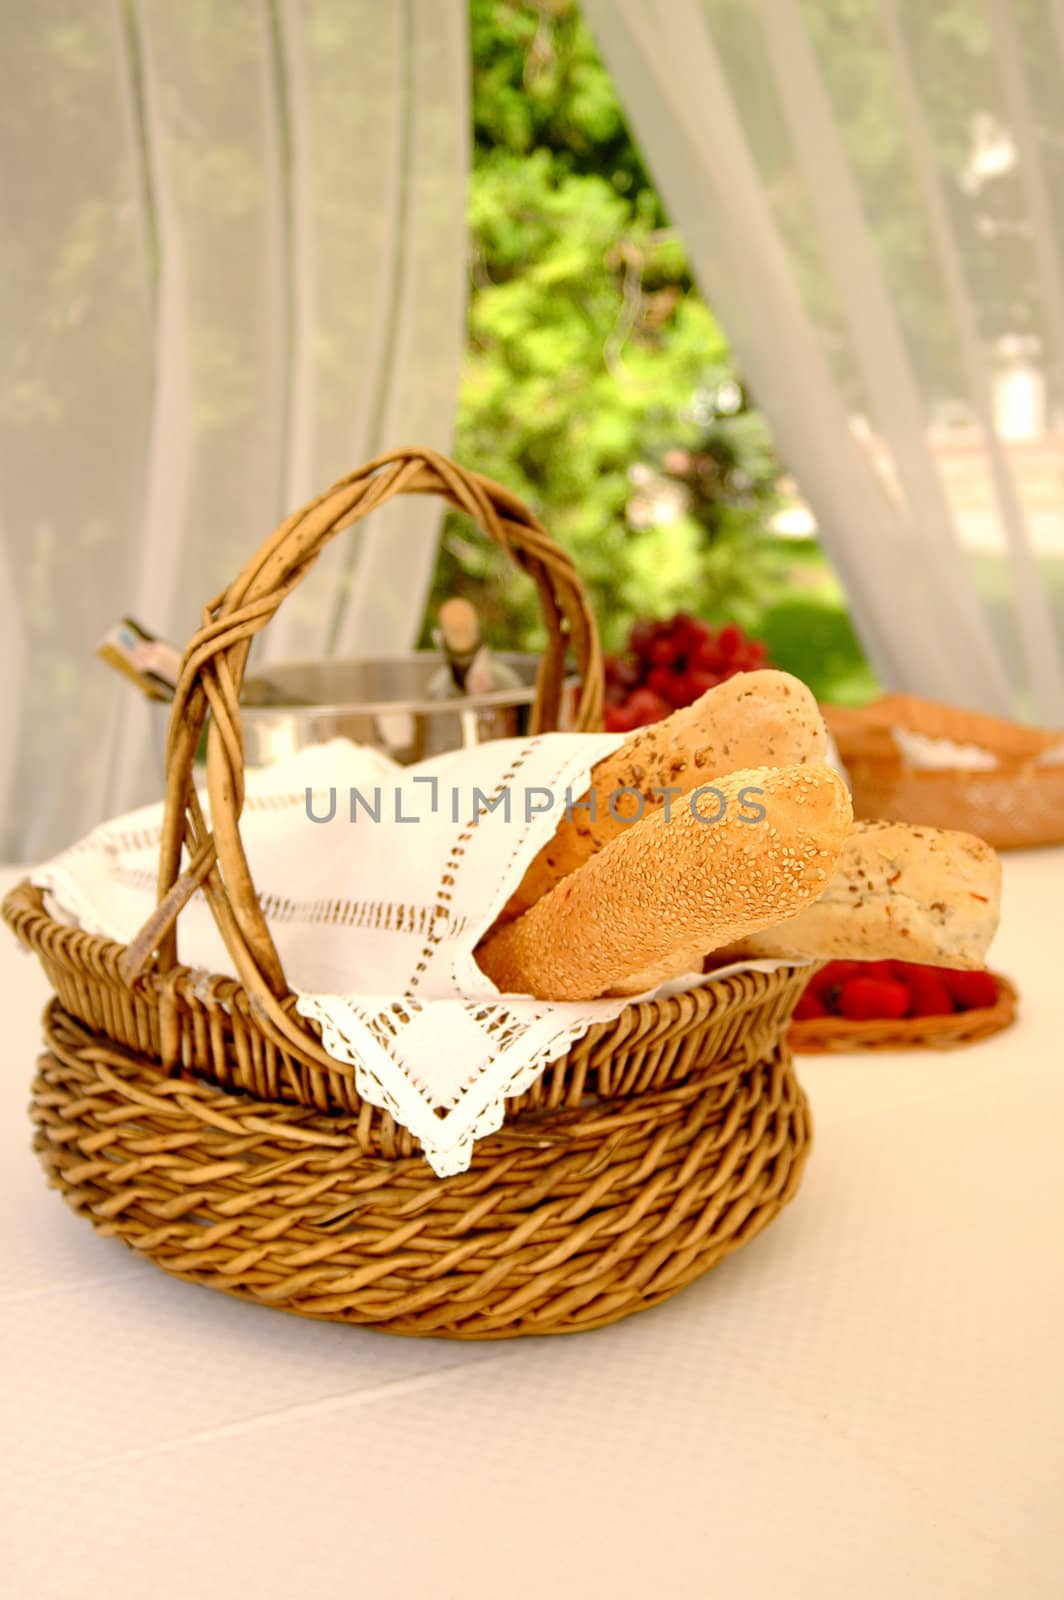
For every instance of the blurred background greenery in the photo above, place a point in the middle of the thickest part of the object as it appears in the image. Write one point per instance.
(599, 386)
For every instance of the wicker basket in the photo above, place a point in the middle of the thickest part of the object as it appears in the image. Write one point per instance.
(1019, 804)
(821, 1035)
(201, 1121)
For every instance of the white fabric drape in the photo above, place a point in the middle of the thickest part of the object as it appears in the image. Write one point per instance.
(235, 238)
(872, 195)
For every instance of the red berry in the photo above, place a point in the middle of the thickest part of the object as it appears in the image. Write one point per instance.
(827, 983)
(617, 719)
(701, 682)
(706, 655)
(747, 659)
(864, 998)
(809, 1005)
(681, 692)
(645, 706)
(642, 637)
(973, 990)
(834, 973)
(660, 680)
(929, 996)
(622, 670)
(730, 638)
(688, 632)
(878, 969)
(661, 652)
(908, 969)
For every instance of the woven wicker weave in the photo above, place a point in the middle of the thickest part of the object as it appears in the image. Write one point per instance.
(564, 1221)
(819, 1035)
(200, 1119)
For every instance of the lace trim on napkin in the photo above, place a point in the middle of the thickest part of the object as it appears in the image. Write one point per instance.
(519, 1049)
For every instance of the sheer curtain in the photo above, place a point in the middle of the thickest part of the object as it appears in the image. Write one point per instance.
(872, 194)
(235, 247)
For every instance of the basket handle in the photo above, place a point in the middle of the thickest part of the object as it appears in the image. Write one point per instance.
(212, 671)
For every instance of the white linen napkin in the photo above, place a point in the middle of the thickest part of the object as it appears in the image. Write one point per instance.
(377, 885)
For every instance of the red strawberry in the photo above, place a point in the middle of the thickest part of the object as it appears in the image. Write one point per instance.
(887, 970)
(864, 998)
(809, 1005)
(821, 986)
(906, 969)
(833, 973)
(827, 983)
(929, 995)
(973, 990)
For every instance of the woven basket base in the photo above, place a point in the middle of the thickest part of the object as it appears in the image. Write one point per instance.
(817, 1035)
(566, 1220)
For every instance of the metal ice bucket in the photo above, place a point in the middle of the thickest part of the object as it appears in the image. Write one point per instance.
(383, 702)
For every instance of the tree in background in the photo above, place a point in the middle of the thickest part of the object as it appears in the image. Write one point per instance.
(597, 383)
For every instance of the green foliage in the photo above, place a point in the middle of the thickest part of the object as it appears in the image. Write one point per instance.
(590, 351)
(808, 631)
(597, 382)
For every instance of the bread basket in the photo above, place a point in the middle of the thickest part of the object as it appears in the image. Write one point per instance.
(1016, 804)
(200, 1120)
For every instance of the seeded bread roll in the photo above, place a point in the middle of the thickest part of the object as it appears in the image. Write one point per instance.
(898, 892)
(757, 719)
(669, 887)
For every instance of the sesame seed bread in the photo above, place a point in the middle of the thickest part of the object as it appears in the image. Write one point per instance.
(763, 718)
(652, 901)
(898, 892)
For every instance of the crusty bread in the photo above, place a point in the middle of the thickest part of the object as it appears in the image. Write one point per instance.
(755, 719)
(649, 904)
(1013, 741)
(865, 732)
(901, 892)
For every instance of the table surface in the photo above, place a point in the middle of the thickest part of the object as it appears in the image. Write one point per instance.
(865, 1402)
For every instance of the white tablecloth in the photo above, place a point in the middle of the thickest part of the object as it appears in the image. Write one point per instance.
(867, 1402)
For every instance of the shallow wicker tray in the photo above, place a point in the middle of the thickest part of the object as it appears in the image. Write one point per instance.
(818, 1035)
(199, 1118)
